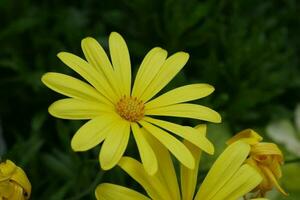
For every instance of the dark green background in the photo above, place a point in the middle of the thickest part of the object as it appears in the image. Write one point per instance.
(249, 50)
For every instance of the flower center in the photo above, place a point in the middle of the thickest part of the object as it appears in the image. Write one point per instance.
(130, 108)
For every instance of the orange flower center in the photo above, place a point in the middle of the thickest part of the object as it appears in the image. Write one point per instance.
(130, 108)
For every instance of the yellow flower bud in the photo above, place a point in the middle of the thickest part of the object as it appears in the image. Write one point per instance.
(14, 184)
(265, 157)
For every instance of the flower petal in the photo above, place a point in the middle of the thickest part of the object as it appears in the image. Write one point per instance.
(186, 110)
(150, 66)
(166, 73)
(92, 133)
(166, 172)
(21, 182)
(185, 132)
(175, 146)
(242, 182)
(72, 87)
(107, 191)
(114, 144)
(77, 109)
(267, 148)
(248, 135)
(152, 184)
(180, 95)
(7, 169)
(18, 193)
(94, 77)
(97, 57)
(6, 190)
(146, 152)
(273, 180)
(223, 169)
(121, 61)
(188, 176)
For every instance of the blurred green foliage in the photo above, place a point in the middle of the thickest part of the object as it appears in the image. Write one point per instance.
(249, 50)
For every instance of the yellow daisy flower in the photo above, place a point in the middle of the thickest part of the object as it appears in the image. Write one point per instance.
(113, 108)
(229, 178)
(14, 184)
(265, 157)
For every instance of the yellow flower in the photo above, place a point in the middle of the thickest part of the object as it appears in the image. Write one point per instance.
(114, 108)
(14, 184)
(229, 178)
(265, 157)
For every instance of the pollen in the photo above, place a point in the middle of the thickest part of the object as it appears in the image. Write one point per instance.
(130, 108)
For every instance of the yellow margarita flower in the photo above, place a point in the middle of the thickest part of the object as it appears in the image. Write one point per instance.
(265, 157)
(14, 184)
(229, 178)
(114, 108)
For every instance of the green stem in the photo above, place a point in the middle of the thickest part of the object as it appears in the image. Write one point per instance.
(292, 161)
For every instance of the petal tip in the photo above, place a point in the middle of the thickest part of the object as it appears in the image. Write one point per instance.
(76, 145)
(87, 40)
(106, 165)
(218, 118)
(151, 170)
(185, 55)
(107, 162)
(115, 34)
(190, 163)
(241, 145)
(61, 54)
(45, 77)
(212, 88)
(211, 150)
(50, 109)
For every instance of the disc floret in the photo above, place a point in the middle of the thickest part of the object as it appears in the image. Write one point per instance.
(130, 108)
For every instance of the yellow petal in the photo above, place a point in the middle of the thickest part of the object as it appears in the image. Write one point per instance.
(6, 190)
(265, 183)
(152, 185)
(222, 170)
(72, 87)
(114, 144)
(146, 152)
(275, 167)
(92, 133)
(17, 194)
(166, 73)
(266, 148)
(186, 110)
(273, 180)
(166, 171)
(150, 66)
(121, 61)
(97, 57)
(180, 95)
(17, 185)
(189, 176)
(94, 77)
(242, 182)
(188, 133)
(77, 109)
(175, 146)
(107, 191)
(248, 135)
(22, 181)
(7, 169)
